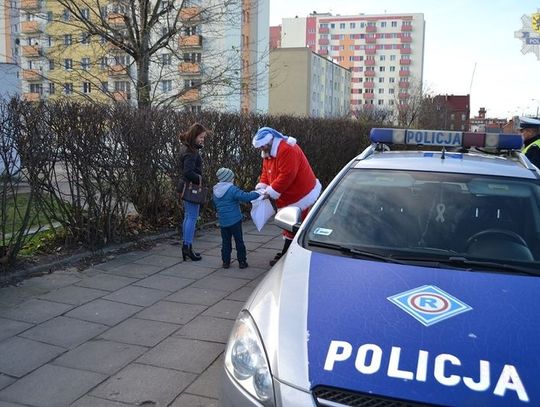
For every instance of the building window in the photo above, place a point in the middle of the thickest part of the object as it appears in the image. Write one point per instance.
(68, 88)
(86, 87)
(332, 25)
(166, 59)
(85, 63)
(51, 65)
(122, 86)
(166, 86)
(382, 69)
(391, 91)
(342, 26)
(85, 14)
(391, 102)
(49, 16)
(36, 88)
(352, 25)
(463, 117)
(392, 69)
(392, 57)
(85, 38)
(103, 12)
(66, 15)
(380, 102)
(68, 40)
(394, 24)
(49, 41)
(382, 57)
(392, 80)
(103, 63)
(381, 91)
(105, 86)
(193, 57)
(381, 80)
(52, 89)
(68, 64)
(191, 30)
(383, 24)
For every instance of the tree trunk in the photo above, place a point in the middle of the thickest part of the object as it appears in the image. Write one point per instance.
(143, 80)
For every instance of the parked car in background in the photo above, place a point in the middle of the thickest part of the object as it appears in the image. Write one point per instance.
(413, 281)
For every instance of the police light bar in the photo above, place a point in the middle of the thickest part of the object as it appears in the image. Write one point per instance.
(446, 138)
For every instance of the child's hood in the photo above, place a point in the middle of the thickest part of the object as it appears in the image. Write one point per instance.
(221, 188)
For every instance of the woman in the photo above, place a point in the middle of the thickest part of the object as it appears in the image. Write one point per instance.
(191, 164)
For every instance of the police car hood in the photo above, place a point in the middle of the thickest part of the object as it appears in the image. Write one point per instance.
(432, 335)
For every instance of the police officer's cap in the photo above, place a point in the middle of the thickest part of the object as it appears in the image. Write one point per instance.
(529, 123)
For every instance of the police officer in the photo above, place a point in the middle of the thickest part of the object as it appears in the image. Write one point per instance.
(530, 130)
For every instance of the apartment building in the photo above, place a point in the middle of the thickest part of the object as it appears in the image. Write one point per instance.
(304, 83)
(385, 52)
(203, 66)
(9, 49)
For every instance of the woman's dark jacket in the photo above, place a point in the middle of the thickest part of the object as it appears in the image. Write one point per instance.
(191, 164)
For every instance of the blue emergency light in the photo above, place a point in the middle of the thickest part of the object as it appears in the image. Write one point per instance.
(446, 138)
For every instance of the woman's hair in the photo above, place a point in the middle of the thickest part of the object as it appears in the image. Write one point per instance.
(188, 138)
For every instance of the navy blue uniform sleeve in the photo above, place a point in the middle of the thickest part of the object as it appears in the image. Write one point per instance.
(190, 166)
(533, 154)
(243, 196)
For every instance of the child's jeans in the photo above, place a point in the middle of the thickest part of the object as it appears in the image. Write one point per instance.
(226, 248)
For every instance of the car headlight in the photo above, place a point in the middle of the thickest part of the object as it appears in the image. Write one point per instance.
(245, 360)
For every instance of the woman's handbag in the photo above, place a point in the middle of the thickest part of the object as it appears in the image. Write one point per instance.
(195, 193)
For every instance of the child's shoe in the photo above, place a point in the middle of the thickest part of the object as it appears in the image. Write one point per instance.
(243, 264)
(226, 265)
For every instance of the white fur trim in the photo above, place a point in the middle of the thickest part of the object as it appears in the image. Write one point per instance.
(260, 185)
(257, 143)
(291, 140)
(275, 145)
(310, 198)
(273, 193)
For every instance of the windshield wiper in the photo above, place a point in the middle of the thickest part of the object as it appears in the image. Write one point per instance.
(354, 251)
(458, 261)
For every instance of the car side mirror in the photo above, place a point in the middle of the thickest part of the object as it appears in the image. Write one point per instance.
(289, 218)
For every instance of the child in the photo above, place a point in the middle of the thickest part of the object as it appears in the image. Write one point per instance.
(227, 198)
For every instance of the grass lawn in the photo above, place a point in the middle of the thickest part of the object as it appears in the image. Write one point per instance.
(15, 208)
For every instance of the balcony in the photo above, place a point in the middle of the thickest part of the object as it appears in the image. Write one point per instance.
(30, 27)
(118, 70)
(30, 5)
(371, 40)
(370, 74)
(31, 75)
(121, 96)
(323, 52)
(403, 95)
(324, 30)
(371, 51)
(116, 20)
(406, 28)
(404, 72)
(369, 85)
(192, 95)
(190, 41)
(404, 85)
(324, 41)
(404, 61)
(369, 96)
(369, 62)
(192, 68)
(405, 51)
(190, 14)
(32, 97)
(406, 40)
(371, 29)
(31, 51)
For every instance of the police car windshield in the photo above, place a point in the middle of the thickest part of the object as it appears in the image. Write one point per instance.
(433, 215)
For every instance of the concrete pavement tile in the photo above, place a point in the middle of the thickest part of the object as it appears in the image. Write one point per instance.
(73, 295)
(170, 251)
(216, 252)
(193, 295)
(250, 273)
(5, 381)
(135, 270)
(20, 356)
(9, 404)
(204, 244)
(137, 384)
(187, 270)
(225, 309)
(140, 332)
(207, 261)
(137, 295)
(274, 244)
(207, 329)
(8, 328)
(209, 383)
(35, 311)
(241, 295)
(182, 354)
(53, 281)
(261, 258)
(165, 283)
(189, 400)
(114, 263)
(107, 282)
(89, 401)
(100, 356)
(51, 386)
(220, 283)
(65, 332)
(261, 239)
(133, 255)
(172, 312)
(158, 260)
(104, 312)
(13, 296)
(255, 283)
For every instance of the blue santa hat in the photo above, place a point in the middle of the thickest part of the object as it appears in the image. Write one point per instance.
(265, 135)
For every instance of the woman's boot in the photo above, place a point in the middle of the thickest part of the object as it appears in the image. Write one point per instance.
(187, 251)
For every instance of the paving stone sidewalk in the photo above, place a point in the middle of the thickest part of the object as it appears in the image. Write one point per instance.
(141, 329)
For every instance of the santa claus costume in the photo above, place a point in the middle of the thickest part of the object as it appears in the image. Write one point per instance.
(286, 175)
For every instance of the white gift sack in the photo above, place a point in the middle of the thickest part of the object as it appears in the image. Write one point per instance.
(261, 211)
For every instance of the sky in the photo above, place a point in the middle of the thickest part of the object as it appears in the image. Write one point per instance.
(462, 37)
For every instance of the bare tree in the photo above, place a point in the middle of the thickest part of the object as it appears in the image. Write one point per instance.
(172, 52)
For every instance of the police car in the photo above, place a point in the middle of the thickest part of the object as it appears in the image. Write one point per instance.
(415, 280)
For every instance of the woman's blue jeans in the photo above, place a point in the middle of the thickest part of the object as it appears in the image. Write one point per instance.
(191, 213)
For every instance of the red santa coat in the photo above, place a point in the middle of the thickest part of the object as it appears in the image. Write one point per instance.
(289, 177)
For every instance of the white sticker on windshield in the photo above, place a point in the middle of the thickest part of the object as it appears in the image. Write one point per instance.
(322, 231)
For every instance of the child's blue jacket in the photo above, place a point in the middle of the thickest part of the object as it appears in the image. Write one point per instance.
(227, 198)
